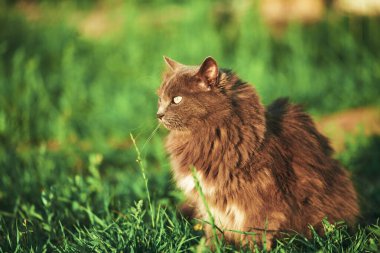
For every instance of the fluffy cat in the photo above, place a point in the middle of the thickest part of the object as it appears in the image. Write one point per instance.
(259, 168)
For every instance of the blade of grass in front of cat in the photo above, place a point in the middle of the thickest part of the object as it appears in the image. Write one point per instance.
(139, 161)
(211, 218)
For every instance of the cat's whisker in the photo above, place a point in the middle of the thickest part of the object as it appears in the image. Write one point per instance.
(142, 128)
(151, 136)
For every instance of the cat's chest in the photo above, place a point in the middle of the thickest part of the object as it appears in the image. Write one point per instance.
(230, 216)
(187, 183)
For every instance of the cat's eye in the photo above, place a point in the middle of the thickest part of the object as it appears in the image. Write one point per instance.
(177, 99)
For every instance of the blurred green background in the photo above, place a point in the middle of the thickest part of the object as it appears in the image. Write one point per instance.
(77, 77)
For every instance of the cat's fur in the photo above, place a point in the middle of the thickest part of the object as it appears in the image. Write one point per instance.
(259, 168)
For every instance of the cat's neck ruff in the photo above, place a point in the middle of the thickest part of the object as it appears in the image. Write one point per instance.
(229, 145)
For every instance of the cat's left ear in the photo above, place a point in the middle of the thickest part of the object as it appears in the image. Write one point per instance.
(172, 64)
(209, 71)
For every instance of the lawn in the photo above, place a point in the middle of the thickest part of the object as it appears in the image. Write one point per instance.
(77, 86)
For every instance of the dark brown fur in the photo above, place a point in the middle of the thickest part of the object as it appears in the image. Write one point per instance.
(258, 168)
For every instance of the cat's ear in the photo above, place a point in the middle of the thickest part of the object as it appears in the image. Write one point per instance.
(172, 64)
(209, 70)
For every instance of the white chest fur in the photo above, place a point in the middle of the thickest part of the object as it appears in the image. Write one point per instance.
(187, 184)
(232, 217)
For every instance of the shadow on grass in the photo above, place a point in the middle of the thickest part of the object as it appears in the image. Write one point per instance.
(363, 158)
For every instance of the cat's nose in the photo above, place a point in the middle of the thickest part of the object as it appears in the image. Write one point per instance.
(160, 115)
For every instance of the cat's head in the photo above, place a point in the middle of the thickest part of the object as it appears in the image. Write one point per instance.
(190, 97)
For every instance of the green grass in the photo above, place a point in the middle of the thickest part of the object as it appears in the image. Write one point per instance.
(54, 209)
(68, 103)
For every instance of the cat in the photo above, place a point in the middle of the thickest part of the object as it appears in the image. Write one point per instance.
(259, 168)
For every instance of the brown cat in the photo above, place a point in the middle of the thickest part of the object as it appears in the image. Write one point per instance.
(258, 168)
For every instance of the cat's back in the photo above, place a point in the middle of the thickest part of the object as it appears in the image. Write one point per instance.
(320, 184)
(292, 126)
(306, 152)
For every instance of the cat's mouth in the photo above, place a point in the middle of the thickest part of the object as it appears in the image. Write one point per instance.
(170, 125)
(165, 123)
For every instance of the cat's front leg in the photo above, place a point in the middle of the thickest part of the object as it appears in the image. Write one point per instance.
(213, 242)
